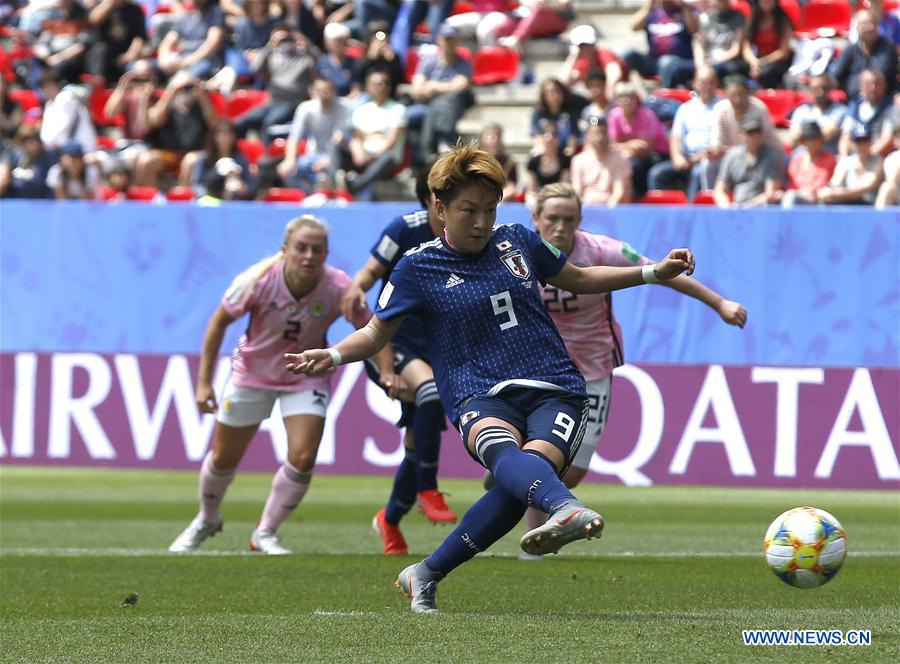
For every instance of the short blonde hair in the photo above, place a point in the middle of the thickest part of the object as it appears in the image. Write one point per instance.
(556, 190)
(304, 221)
(465, 165)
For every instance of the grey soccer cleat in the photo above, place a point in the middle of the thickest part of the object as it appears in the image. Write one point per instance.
(193, 536)
(420, 592)
(268, 542)
(566, 525)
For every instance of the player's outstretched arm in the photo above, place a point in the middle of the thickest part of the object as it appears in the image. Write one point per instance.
(731, 312)
(360, 345)
(603, 278)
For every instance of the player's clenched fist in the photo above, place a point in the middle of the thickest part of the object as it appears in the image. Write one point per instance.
(677, 262)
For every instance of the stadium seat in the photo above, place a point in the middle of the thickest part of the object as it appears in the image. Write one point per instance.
(495, 64)
(97, 102)
(824, 18)
(27, 99)
(284, 195)
(704, 197)
(108, 194)
(675, 94)
(244, 100)
(253, 150)
(742, 6)
(412, 63)
(780, 104)
(219, 102)
(664, 197)
(792, 9)
(147, 194)
(278, 147)
(106, 142)
(180, 194)
(461, 8)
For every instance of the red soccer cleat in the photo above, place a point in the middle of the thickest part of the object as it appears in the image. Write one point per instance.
(394, 544)
(432, 503)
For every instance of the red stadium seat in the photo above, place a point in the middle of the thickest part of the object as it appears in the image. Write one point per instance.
(106, 142)
(675, 94)
(252, 150)
(461, 8)
(108, 194)
(219, 102)
(244, 100)
(780, 104)
(97, 102)
(824, 18)
(742, 6)
(495, 64)
(180, 194)
(792, 9)
(147, 194)
(278, 147)
(704, 197)
(664, 197)
(412, 63)
(284, 195)
(27, 99)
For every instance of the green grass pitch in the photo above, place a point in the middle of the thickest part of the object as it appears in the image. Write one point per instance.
(677, 576)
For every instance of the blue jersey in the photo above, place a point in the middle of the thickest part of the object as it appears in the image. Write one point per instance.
(405, 232)
(486, 324)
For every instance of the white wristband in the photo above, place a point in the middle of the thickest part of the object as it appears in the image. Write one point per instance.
(335, 356)
(647, 272)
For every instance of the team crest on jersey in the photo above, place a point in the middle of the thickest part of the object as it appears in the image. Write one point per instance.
(515, 263)
(317, 309)
(468, 417)
(503, 246)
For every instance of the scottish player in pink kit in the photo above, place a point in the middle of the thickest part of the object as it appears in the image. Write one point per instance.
(292, 298)
(586, 322)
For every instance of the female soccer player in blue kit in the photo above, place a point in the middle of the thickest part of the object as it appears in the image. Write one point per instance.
(502, 370)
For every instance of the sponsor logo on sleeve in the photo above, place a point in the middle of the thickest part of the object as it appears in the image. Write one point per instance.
(385, 296)
(387, 248)
(629, 253)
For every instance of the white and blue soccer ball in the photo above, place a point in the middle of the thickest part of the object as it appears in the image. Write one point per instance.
(805, 547)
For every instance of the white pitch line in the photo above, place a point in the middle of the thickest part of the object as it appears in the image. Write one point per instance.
(214, 553)
(343, 614)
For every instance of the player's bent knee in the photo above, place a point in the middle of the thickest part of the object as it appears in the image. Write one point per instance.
(489, 422)
(573, 476)
(548, 451)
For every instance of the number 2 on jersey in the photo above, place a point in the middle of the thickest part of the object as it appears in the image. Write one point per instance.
(293, 330)
(502, 303)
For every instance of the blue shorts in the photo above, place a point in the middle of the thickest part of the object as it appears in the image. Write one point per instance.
(557, 417)
(402, 357)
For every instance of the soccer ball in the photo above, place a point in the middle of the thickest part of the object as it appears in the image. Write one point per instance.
(805, 547)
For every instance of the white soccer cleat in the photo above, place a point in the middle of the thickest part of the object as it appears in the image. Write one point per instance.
(268, 542)
(193, 536)
(567, 525)
(420, 592)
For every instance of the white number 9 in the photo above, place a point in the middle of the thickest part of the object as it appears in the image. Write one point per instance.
(502, 303)
(567, 424)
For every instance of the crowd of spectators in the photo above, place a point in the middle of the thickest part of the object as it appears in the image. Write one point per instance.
(344, 94)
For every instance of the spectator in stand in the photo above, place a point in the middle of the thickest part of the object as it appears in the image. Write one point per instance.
(826, 113)
(888, 23)
(870, 51)
(377, 143)
(117, 179)
(72, 178)
(857, 175)
(195, 42)
(367, 12)
(598, 101)
(379, 57)
(719, 39)
(288, 63)
(63, 39)
(767, 44)
(810, 169)
(320, 121)
(66, 117)
(220, 144)
(441, 90)
(558, 105)
(751, 173)
(431, 12)
(872, 110)
(178, 123)
(689, 164)
(336, 65)
(670, 26)
(23, 170)
(492, 141)
(120, 34)
(310, 21)
(11, 115)
(600, 174)
(728, 114)
(585, 55)
(483, 22)
(535, 19)
(889, 191)
(637, 134)
(251, 34)
(133, 96)
(549, 165)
